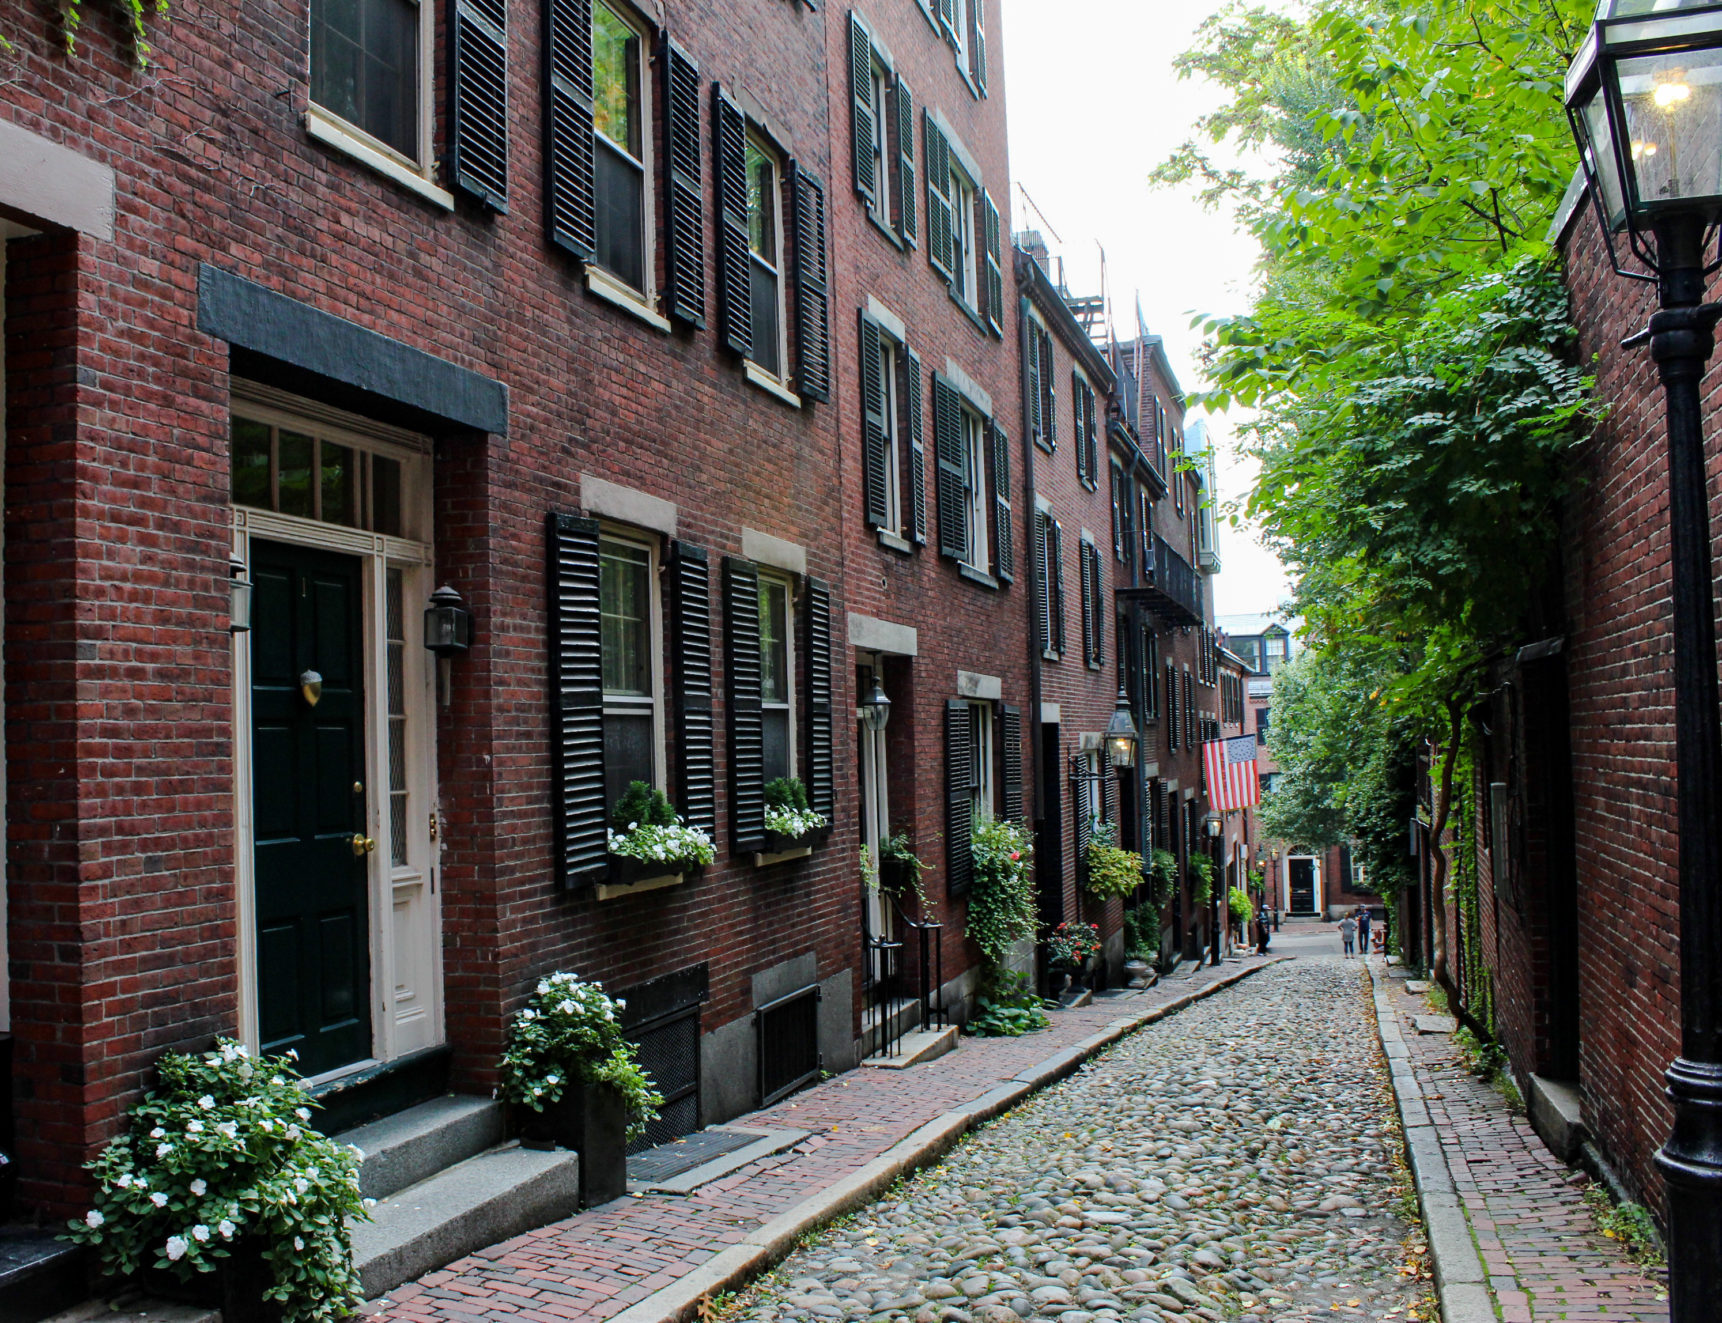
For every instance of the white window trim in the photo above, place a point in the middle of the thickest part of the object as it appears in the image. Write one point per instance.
(891, 353)
(881, 97)
(758, 374)
(419, 175)
(333, 131)
(388, 887)
(643, 302)
(965, 194)
(631, 537)
(982, 804)
(790, 660)
(978, 496)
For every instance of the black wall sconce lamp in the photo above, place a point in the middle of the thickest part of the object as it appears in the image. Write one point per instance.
(239, 598)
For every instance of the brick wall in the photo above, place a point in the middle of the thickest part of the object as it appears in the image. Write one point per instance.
(119, 672)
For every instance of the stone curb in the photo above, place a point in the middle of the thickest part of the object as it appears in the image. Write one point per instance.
(767, 1245)
(1459, 1277)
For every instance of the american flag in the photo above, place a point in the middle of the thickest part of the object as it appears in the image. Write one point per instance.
(1230, 767)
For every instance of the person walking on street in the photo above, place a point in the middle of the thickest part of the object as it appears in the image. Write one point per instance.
(1348, 930)
(1363, 930)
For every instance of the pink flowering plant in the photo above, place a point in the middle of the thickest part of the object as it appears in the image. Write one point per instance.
(571, 1032)
(223, 1153)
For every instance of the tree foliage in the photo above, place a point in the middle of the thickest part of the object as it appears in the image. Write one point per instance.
(1409, 349)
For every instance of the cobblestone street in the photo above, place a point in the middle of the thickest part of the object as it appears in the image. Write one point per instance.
(1236, 1159)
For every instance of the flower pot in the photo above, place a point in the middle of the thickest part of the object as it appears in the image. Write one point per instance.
(591, 1119)
(236, 1286)
(897, 877)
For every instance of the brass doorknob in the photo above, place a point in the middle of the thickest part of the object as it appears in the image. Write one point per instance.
(363, 845)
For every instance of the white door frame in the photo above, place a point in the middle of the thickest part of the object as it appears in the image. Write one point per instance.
(404, 902)
(1315, 879)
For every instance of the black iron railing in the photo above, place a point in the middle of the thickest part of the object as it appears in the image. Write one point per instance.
(929, 973)
(878, 997)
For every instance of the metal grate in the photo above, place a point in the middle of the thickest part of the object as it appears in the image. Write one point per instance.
(788, 1030)
(681, 1155)
(670, 1052)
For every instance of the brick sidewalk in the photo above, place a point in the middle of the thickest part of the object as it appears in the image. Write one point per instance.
(594, 1265)
(1542, 1253)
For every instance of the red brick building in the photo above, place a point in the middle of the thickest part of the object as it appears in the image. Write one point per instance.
(613, 344)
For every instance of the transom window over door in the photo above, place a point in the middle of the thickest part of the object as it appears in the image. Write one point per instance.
(765, 247)
(629, 642)
(619, 118)
(776, 677)
(329, 477)
(365, 68)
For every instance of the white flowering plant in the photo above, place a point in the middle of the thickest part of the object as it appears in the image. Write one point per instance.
(571, 1031)
(786, 809)
(223, 1155)
(643, 826)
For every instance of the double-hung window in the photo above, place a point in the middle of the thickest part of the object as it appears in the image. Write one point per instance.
(892, 418)
(893, 458)
(1049, 583)
(963, 275)
(630, 642)
(980, 764)
(621, 147)
(977, 504)
(370, 82)
(765, 254)
(879, 150)
(777, 676)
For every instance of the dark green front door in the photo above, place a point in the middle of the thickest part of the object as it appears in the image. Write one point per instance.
(308, 805)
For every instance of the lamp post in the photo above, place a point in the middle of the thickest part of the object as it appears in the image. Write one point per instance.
(1645, 100)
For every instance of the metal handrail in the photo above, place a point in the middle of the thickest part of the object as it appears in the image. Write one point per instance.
(931, 971)
(878, 996)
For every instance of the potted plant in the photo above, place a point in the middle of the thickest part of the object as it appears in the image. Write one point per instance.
(1238, 904)
(1112, 871)
(789, 823)
(574, 1081)
(900, 870)
(1071, 947)
(1162, 873)
(221, 1190)
(648, 841)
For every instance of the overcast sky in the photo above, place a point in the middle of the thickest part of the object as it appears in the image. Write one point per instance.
(1094, 105)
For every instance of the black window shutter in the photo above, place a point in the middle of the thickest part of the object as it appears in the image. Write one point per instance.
(953, 463)
(1096, 561)
(1077, 424)
(1010, 742)
(948, 19)
(478, 129)
(1171, 707)
(938, 197)
(582, 818)
(875, 465)
(568, 187)
(904, 108)
(821, 756)
(1190, 734)
(1108, 790)
(861, 107)
(1031, 377)
(994, 271)
(1093, 436)
(1083, 551)
(978, 51)
(1057, 554)
(812, 311)
(1004, 533)
(1043, 576)
(746, 729)
(685, 235)
(959, 852)
(691, 690)
(735, 310)
(909, 421)
(1048, 387)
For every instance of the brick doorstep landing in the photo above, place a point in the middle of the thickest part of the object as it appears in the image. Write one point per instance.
(651, 1259)
(1509, 1230)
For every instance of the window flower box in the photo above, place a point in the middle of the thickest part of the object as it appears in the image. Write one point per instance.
(629, 872)
(805, 842)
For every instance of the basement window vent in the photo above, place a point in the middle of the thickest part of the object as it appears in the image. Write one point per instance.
(788, 1031)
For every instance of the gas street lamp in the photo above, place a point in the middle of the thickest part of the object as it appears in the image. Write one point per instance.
(1645, 100)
